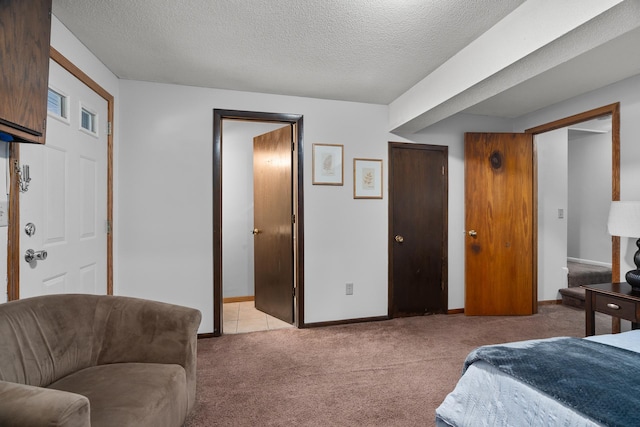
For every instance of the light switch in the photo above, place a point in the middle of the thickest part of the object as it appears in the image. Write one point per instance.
(560, 213)
(4, 213)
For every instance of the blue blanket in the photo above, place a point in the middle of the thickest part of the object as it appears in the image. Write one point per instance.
(600, 381)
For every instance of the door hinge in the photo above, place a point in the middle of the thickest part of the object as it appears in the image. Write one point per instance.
(293, 146)
(44, 124)
(442, 170)
(293, 219)
(294, 291)
(107, 226)
(109, 128)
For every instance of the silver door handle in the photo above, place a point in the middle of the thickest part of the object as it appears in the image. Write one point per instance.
(32, 255)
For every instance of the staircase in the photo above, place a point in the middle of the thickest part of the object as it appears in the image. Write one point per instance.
(582, 274)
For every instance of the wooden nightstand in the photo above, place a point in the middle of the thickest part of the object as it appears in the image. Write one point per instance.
(614, 299)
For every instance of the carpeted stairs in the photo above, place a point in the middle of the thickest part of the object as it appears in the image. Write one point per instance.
(582, 274)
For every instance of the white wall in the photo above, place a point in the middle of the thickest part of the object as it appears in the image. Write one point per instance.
(552, 152)
(237, 205)
(165, 162)
(589, 197)
(627, 92)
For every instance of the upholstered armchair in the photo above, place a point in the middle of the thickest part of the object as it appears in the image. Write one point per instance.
(89, 360)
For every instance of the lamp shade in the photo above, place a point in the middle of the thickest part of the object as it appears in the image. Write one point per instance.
(624, 219)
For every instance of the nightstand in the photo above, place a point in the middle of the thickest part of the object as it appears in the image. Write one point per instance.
(614, 299)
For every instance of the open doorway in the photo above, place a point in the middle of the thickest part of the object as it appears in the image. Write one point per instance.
(234, 227)
(578, 175)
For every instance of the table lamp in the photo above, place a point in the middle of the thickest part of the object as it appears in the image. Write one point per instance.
(624, 221)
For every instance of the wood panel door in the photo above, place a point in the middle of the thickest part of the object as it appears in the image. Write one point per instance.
(499, 222)
(273, 224)
(417, 229)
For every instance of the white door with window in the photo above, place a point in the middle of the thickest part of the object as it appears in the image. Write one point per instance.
(63, 212)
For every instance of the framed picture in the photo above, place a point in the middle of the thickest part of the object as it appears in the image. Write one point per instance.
(367, 179)
(328, 164)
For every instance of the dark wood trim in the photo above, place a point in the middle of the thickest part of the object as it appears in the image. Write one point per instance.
(614, 111)
(205, 336)
(456, 311)
(346, 322)
(13, 231)
(297, 121)
(13, 245)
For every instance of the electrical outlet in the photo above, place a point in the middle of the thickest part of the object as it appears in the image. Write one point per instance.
(349, 289)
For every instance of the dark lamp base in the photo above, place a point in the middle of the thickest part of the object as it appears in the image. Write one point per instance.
(633, 278)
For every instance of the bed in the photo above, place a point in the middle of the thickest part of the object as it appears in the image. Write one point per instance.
(560, 381)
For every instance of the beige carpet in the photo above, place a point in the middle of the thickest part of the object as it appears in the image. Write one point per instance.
(390, 373)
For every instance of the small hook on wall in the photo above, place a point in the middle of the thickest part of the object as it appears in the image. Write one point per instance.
(23, 175)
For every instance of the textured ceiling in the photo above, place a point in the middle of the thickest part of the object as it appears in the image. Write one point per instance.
(365, 50)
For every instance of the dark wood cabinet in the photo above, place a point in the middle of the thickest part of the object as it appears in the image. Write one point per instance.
(25, 31)
(615, 299)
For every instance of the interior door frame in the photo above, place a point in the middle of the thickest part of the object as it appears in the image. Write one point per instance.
(14, 256)
(298, 194)
(614, 111)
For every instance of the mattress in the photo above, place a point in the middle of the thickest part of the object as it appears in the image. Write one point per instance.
(485, 396)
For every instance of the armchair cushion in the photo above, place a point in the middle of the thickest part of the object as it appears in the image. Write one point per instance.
(119, 393)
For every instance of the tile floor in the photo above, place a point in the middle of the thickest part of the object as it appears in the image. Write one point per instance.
(241, 317)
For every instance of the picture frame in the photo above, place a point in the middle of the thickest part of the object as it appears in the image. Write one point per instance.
(367, 178)
(328, 164)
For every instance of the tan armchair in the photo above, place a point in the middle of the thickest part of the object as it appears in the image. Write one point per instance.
(89, 360)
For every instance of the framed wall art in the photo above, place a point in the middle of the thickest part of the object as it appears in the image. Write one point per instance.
(367, 179)
(328, 166)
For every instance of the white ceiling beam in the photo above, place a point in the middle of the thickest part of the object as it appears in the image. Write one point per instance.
(534, 38)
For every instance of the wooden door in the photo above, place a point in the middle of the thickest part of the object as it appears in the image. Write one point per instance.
(499, 223)
(417, 229)
(66, 200)
(273, 224)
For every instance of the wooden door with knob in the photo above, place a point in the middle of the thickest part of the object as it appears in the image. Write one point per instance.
(499, 220)
(417, 229)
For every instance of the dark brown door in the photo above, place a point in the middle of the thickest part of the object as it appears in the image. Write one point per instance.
(499, 223)
(272, 220)
(417, 229)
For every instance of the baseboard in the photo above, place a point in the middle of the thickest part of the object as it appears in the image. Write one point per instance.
(238, 299)
(206, 335)
(345, 322)
(455, 311)
(550, 302)
(590, 262)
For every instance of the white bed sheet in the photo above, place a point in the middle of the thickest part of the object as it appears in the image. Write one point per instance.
(485, 396)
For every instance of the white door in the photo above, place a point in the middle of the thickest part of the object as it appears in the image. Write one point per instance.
(66, 200)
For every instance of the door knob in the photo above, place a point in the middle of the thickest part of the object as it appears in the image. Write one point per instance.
(255, 231)
(399, 239)
(31, 255)
(473, 233)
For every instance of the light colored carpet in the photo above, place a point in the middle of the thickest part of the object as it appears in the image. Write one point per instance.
(389, 373)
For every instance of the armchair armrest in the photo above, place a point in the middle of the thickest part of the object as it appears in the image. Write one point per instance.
(25, 405)
(138, 330)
